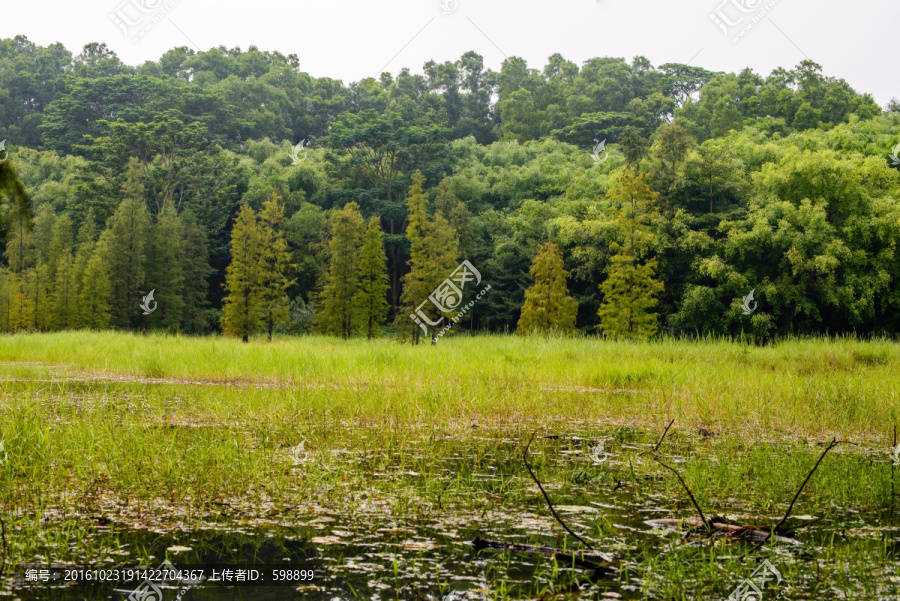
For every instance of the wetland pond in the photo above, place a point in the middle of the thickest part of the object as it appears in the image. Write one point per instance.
(400, 523)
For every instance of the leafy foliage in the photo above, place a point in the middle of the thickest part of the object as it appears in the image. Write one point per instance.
(783, 184)
(548, 307)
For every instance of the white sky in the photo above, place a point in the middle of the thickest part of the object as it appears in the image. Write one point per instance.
(354, 39)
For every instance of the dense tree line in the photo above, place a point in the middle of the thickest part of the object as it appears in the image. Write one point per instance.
(181, 176)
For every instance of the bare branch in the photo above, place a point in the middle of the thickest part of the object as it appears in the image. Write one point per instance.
(777, 528)
(661, 438)
(546, 498)
(706, 524)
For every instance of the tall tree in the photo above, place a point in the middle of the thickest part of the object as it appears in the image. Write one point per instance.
(548, 307)
(62, 240)
(341, 280)
(124, 245)
(415, 286)
(86, 244)
(434, 252)
(65, 291)
(95, 294)
(634, 146)
(441, 258)
(241, 312)
(371, 297)
(165, 270)
(669, 150)
(459, 217)
(630, 291)
(275, 260)
(196, 273)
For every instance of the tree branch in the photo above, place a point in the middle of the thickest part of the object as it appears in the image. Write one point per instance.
(546, 498)
(706, 524)
(661, 438)
(777, 528)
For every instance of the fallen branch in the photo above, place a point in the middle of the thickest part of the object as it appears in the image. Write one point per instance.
(777, 529)
(546, 498)
(722, 530)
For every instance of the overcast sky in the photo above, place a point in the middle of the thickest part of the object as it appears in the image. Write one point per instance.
(357, 38)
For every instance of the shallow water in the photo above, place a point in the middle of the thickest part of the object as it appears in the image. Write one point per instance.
(390, 542)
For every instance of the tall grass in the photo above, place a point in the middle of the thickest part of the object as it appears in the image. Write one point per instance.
(807, 387)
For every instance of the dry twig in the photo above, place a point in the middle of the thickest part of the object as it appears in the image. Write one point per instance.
(777, 529)
(546, 498)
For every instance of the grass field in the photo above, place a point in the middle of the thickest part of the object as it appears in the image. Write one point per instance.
(120, 446)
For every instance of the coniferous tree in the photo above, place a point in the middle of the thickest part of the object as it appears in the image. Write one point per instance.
(371, 297)
(42, 235)
(41, 272)
(165, 270)
(341, 280)
(415, 284)
(433, 256)
(548, 307)
(241, 312)
(275, 260)
(38, 297)
(95, 294)
(630, 291)
(5, 300)
(86, 244)
(196, 273)
(64, 302)
(459, 216)
(124, 245)
(20, 308)
(442, 258)
(61, 243)
(13, 306)
(20, 247)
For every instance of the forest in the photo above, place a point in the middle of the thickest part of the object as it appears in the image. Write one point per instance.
(614, 198)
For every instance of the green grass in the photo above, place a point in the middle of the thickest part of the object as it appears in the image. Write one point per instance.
(177, 434)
